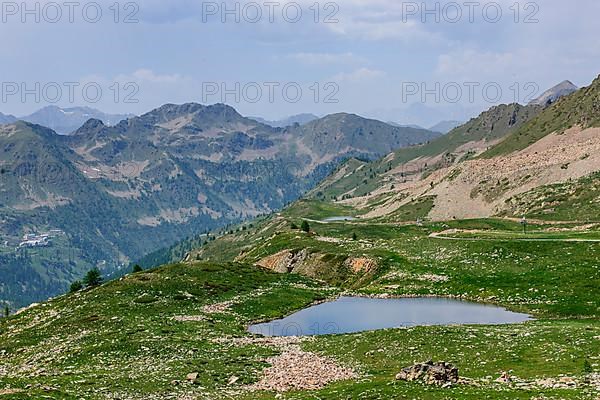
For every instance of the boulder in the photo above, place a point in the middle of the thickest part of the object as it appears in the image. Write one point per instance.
(431, 373)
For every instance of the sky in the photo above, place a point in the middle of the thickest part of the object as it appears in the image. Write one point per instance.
(407, 62)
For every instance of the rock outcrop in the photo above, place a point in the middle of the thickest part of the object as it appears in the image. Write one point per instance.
(283, 262)
(442, 373)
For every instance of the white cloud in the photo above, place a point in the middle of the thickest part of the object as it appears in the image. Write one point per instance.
(359, 75)
(149, 76)
(326, 58)
(374, 25)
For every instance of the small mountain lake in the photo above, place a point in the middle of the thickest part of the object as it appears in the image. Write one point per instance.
(359, 314)
(339, 219)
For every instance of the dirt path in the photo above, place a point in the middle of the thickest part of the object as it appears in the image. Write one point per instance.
(440, 235)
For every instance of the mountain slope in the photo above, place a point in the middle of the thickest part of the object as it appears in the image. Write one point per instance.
(581, 108)
(528, 149)
(463, 142)
(343, 131)
(117, 193)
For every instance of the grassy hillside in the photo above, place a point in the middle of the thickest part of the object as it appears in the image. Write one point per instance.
(362, 178)
(141, 336)
(568, 201)
(121, 192)
(179, 331)
(505, 270)
(125, 338)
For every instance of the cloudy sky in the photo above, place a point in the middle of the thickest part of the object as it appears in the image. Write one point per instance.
(413, 63)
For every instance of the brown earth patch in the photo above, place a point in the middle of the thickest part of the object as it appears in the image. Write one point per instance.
(363, 264)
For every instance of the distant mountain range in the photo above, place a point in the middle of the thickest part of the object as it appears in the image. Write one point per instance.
(118, 193)
(441, 127)
(7, 119)
(65, 120)
(300, 119)
(446, 126)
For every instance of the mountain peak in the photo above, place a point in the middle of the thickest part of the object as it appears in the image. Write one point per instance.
(91, 124)
(567, 83)
(551, 95)
(169, 112)
(7, 119)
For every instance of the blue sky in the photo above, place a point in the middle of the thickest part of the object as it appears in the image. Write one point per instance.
(371, 57)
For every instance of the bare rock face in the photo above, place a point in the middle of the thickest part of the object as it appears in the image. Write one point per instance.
(431, 373)
(283, 262)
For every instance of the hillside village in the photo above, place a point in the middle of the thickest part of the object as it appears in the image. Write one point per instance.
(33, 240)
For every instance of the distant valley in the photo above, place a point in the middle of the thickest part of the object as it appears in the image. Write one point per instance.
(109, 195)
(118, 193)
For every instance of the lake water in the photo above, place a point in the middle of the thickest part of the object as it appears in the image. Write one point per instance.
(358, 314)
(339, 219)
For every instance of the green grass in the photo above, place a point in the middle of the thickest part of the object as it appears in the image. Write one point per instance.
(106, 340)
(568, 201)
(412, 211)
(121, 338)
(531, 235)
(532, 351)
